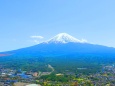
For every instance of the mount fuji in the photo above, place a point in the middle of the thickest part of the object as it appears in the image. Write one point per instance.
(63, 44)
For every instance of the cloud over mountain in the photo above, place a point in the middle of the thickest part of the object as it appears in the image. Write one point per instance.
(36, 39)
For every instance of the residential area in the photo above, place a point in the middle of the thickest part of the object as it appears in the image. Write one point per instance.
(9, 77)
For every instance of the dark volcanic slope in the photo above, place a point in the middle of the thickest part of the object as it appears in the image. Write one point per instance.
(58, 49)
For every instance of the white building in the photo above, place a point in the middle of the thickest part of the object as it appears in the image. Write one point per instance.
(33, 85)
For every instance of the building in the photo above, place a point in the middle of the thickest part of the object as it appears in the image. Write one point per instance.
(33, 85)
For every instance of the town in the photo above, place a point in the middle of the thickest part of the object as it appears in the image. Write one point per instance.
(9, 77)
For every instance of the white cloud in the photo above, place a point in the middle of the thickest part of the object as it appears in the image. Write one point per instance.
(37, 37)
(36, 41)
(83, 40)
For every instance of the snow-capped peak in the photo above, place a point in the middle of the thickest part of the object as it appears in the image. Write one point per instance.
(64, 38)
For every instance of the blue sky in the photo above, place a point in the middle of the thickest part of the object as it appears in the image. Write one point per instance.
(23, 21)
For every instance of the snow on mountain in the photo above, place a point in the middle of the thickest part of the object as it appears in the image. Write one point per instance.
(65, 38)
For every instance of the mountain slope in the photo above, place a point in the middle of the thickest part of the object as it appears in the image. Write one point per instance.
(60, 49)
